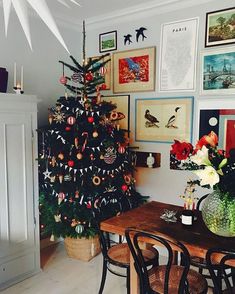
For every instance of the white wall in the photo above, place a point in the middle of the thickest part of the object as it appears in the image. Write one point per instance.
(161, 184)
(41, 68)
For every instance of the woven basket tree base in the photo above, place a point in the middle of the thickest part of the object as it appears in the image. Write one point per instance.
(83, 249)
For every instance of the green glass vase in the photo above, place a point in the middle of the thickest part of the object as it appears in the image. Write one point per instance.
(218, 213)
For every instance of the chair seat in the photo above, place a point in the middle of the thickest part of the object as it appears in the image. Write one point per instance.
(121, 253)
(197, 283)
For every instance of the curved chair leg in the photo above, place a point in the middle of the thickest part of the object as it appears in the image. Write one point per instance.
(128, 286)
(104, 274)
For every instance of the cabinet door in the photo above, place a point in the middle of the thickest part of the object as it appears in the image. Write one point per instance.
(16, 178)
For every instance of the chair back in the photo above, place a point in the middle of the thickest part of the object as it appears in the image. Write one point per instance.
(135, 239)
(219, 261)
(200, 201)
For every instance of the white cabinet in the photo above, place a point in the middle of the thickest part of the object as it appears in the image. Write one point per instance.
(19, 232)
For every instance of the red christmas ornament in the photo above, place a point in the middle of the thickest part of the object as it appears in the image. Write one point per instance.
(89, 76)
(71, 163)
(71, 120)
(124, 188)
(90, 119)
(67, 129)
(63, 80)
(103, 87)
(102, 70)
(121, 149)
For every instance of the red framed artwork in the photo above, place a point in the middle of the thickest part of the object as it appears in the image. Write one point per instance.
(134, 70)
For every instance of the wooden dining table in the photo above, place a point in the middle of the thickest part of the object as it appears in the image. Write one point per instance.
(197, 238)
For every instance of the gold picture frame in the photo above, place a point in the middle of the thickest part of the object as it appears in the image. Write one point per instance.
(134, 70)
(108, 73)
(164, 119)
(123, 106)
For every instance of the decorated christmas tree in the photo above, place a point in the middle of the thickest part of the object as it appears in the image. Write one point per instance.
(84, 162)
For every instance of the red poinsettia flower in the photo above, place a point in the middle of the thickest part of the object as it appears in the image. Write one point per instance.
(181, 150)
(211, 139)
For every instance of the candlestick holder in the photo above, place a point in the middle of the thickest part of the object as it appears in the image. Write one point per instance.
(18, 90)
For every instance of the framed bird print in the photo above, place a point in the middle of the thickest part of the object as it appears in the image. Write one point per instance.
(164, 119)
(134, 70)
(123, 110)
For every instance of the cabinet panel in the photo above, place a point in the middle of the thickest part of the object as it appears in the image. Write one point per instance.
(19, 232)
(17, 224)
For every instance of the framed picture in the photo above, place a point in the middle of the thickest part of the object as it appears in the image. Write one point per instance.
(220, 27)
(134, 70)
(217, 115)
(108, 41)
(177, 70)
(218, 71)
(164, 119)
(123, 106)
(104, 71)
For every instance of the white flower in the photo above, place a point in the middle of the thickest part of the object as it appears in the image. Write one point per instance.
(207, 176)
(201, 157)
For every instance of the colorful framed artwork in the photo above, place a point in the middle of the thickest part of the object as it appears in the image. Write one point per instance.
(218, 72)
(104, 71)
(164, 119)
(108, 41)
(134, 70)
(123, 107)
(177, 70)
(220, 121)
(220, 27)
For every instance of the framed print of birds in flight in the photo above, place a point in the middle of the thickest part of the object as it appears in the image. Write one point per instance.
(164, 119)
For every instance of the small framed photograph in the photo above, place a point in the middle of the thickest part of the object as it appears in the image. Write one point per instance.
(134, 70)
(218, 71)
(108, 41)
(164, 119)
(123, 107)
(220, 27)
(104, 71)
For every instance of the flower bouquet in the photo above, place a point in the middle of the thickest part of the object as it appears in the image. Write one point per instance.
(216, 170)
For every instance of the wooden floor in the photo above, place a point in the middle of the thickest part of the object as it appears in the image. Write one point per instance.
(63, 275)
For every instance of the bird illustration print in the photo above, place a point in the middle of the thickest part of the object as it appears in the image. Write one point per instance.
(152, 121)
(171, 124)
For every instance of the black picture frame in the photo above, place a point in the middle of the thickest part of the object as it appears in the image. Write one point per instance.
(214, 31)
(108, 41)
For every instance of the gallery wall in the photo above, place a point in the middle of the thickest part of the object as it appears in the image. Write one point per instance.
(41, 68)
(161, 183)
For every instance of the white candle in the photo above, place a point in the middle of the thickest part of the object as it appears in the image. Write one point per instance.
(15, 74)
(22, 78)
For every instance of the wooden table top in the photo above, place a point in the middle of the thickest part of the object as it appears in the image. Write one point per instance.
(198, 239)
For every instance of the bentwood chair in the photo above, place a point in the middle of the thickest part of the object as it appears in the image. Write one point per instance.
(116, 256)
(167, 277)
(221, 264)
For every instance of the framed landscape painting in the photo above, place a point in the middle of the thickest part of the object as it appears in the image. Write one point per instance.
(134, 70)
(108, 41)
(218, 71)
(164, 119)
(220, 27)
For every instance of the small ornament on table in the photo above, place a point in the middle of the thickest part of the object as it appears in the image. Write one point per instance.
(187, 217)
(169, 216)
